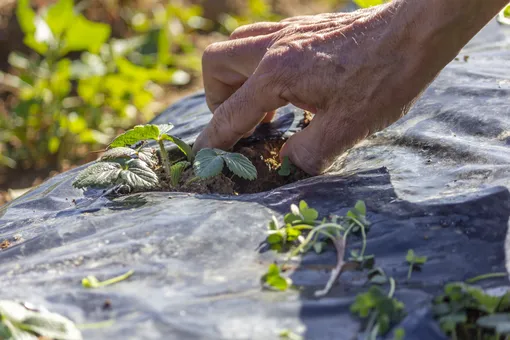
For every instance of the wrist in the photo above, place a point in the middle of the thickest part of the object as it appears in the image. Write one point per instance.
(447, 25)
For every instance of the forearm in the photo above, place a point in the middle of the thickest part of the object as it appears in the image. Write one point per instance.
(444, 26)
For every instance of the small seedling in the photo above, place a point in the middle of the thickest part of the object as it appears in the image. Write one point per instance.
(414, 262)
(301, 219)
(286, 167)
(210, 162)
(93, 282)
(466, 312)
(274, 280)
(380, 309)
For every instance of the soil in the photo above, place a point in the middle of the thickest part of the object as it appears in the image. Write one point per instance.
(264, 154)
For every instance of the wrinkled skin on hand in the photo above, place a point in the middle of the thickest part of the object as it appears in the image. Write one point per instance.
(358, 72)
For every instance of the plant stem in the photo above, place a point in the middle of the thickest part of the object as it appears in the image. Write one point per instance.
(486, 276)
(164, 158)
(392, 288)
(410, 271)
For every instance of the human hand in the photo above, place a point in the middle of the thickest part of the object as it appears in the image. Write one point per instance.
(358, 72)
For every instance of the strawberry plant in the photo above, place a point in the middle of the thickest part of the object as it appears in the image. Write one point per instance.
(130, 163)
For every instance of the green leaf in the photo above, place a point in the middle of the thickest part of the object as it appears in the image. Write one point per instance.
(26, 17)
(135, 135)
(285, 167)
(176, 171)
(290, 218)
(164, 128)
(93, 282)
(493, 321)
(273, 224)
(138, 176)
(208, 163)
(60, 16)
(309, 214)
(240, 165)
(292, 233)
(148, 155)
(53, 144)
(98, 175)
(119, 153)
(318, 247)
(361, 207)
(369, 3)
(399, 334)
(273, 279)
(276, 237)
(19, 320)
(449, 322)
(84, 34)
(184, 147)
(413, 259)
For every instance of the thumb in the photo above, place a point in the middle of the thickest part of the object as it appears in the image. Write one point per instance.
(315, 148)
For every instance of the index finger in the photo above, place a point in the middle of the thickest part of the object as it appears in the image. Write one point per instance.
(238, 115)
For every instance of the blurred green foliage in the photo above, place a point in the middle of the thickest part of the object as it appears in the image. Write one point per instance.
(82, 86)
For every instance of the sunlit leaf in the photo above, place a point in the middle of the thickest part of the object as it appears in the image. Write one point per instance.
(53, 144)
(369, 3)
(60, 16)
(84, 34)
(273, 279)
(26, 17)
(135, 135)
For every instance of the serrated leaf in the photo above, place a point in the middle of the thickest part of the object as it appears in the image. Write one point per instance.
(98, 175)
(176, 171)
(135, 135)
(120, 152)
(208, 163)
(184, 147)
(240, 165)
(164, 128)
(148, 155)
(138, 176)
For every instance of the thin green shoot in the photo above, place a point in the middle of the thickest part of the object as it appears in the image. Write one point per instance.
(486, 277)
(93, 282)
